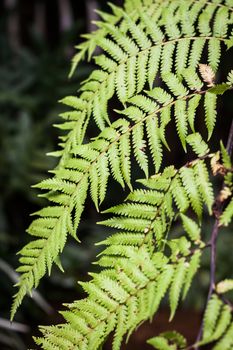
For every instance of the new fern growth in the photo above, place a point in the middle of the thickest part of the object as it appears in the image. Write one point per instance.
(160, 60)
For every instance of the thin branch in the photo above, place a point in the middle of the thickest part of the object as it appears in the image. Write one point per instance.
(229, 147)
(14, 326)
(226, 301)
(12, 341)
(213, 241)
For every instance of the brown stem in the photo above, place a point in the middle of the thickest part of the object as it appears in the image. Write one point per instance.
(213, 241)
(229, 147)
(226, 301)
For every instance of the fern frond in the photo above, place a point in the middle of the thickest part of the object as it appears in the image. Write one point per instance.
(190, 184)
(168, 341)
(191, 112)
(214, 53)
(135, 274)
(148, 39)
(224, 286)
(191, 227)
(181, 121)
(217, 324)
(192, 79)
(154, 142)
(176, 286)
(226, 342)
(202, 178)
(211, 316)
(174, 84)
(210, 112)
(193, 267)
(153, 64)
(198, 144)
(227, 215)
(179, 194)
(129, 52)
(139, 146)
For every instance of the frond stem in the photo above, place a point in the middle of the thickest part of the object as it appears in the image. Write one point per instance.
(213, 242)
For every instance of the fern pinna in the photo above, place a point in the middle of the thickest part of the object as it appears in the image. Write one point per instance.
(160, 59)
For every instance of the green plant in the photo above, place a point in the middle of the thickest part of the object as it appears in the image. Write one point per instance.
(160, 59)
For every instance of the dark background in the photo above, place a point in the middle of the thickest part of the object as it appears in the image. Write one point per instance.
(36, 45)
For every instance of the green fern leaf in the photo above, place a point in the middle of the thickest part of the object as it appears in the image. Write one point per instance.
(210, 112)
(164, 281)
(191, 227)
(214, 53)
(181, 121)
(193, 267)
(226, 159)
(224, 286)
(198, 144)
(189, 181)
(223, 322)
(219, 89)
(211, 316)
(131, 76)
(205, 188)
(160, 95)
(159, 343)
(145, 103)
(121, 83)
(230, 78)
(138, 34)
(152, 28)
(192, 79)
(174, 84)
(167, 58)
(182, 52)
(124, 150)
(221, 22)
(168, 341)
(154, 141)
(227, 341)
(153, 64)
(139, 145)
(114, 160)
(142, 70)
(179, 194)
(165, 115)
(103, 174)
(196, 52)
(94, 188)
(227, 215)
(205, 18)
(171, 28)
(177, 283)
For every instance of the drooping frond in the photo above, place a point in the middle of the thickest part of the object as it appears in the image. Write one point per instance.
(136, 272)
(224, 286)
(168, 341)
(217, 330)
(218, 325)
(227, 215)
(142, 131)
(137, 47)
